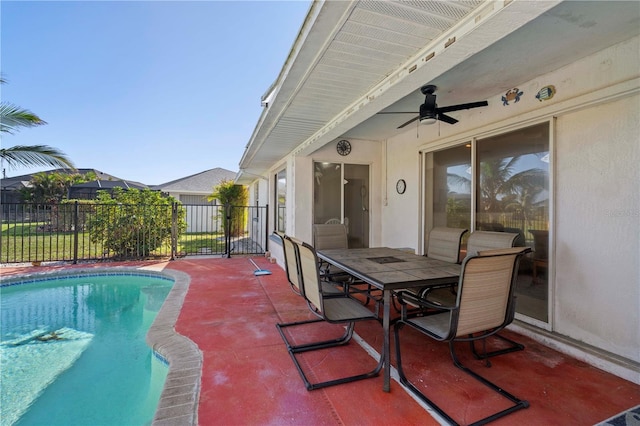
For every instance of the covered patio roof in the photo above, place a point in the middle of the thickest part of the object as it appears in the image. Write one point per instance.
(353, 59)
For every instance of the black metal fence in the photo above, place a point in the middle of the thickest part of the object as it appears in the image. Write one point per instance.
(90, 231)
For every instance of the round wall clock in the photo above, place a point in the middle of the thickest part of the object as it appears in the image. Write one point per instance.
(401, 186)
(343, 147)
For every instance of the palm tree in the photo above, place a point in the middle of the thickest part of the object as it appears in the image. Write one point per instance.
(34, 155)
(526, 188)
(12, 118)
(495, 181)
(502, 189)
(499, 184)
(231, 195)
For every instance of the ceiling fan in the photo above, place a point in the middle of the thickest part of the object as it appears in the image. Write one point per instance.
(429, 112)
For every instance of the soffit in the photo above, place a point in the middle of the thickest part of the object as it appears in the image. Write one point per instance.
(348, 49)
(354, 59)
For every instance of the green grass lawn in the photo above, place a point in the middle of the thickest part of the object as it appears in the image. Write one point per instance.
(29, 243)
(201, 243)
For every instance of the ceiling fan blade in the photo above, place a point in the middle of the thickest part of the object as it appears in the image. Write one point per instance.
(462, 106)
(408, 122)
(446, 119)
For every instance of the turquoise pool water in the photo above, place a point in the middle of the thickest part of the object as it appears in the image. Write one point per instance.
(73, 350)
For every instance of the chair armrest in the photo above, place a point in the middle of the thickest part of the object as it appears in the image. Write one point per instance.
(407, 297)
(435, 294)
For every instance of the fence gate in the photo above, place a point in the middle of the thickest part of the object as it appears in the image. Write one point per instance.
(216, 230)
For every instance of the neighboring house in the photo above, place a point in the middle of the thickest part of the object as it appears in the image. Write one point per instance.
(10, 187)
(89, 190)
(556, 150)
(193, 190)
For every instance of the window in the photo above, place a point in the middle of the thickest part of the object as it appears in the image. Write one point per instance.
(452, 187)
(513, 172)
(510, 181)
(281, 199)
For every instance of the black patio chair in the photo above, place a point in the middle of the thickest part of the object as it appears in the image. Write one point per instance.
(444, 244)
(335, 309)
(485, 304)
(292, 267)
(335, 236)
(478, 243)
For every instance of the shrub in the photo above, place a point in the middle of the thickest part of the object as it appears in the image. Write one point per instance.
(134, 222)
(231, 195)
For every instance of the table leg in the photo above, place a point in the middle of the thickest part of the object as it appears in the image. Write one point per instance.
(386, 303)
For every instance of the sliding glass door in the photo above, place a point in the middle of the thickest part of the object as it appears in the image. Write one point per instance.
(513, 196)
(504, 187)
(452, 187)
(341, 195)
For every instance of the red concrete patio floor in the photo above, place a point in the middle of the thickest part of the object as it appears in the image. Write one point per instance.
(248, 377)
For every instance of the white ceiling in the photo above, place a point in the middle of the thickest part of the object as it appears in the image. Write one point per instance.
(568, 32)
(354, 59)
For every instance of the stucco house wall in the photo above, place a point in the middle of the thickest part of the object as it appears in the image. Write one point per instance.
(595, 221)
(595, 116)
(598, 227)
(400, 212)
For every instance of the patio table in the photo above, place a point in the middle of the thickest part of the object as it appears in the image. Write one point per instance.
(389, 269)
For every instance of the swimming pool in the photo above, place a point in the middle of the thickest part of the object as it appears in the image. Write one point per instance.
(73, 349)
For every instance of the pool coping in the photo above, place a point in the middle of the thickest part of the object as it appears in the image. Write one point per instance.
(178, 402)
(179, 399)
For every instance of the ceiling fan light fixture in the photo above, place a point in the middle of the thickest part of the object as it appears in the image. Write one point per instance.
(430, 112)
(427, 111)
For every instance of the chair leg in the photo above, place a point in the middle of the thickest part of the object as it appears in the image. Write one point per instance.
(518, 403)
(408, 384)
(515, 346)
(344, 339)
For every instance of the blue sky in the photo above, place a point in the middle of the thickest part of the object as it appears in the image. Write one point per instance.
(148, 91)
